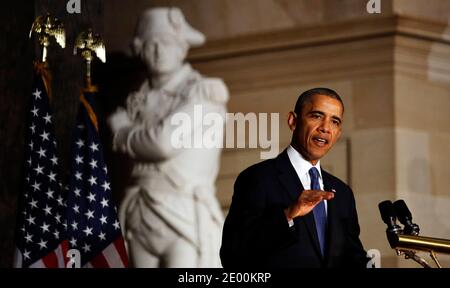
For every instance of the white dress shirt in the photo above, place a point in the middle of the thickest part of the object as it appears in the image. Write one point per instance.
(302, 167)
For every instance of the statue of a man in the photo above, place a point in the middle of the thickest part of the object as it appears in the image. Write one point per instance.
(170, 215)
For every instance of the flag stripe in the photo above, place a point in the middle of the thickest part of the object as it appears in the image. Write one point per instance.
(38, 264)
(120, 247)
(50, 259)
(60, 256)
(99, 261)
(112, 256)
(64, 249)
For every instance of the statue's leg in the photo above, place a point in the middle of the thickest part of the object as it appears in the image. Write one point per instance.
(141, 257)
(181, 254)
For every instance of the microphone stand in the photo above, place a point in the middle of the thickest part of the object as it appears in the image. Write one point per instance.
(434, 257)
(409, 244)
(411, 254)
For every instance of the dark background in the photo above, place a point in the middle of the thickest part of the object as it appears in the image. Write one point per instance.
(17, 52)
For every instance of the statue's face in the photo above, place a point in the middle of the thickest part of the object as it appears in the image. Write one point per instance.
(164, 54)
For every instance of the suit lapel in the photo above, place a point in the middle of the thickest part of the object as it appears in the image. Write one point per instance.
(331, 211)
(288, 177)
(293, 186)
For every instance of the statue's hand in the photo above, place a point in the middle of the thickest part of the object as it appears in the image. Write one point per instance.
(119, 120)
(135, 102)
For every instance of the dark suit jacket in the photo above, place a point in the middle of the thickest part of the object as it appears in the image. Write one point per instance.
(257, 234)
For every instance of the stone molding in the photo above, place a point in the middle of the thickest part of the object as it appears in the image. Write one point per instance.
(402, 44)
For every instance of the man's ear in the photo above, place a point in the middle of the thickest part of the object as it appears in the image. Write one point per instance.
(292, 120)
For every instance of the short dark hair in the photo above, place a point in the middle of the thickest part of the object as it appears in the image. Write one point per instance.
(306, 96)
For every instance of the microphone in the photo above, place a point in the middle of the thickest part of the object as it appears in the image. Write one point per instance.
(388, 215)
(405, 217)
(407, 241)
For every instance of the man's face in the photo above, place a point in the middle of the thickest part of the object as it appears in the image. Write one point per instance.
(317, 128)
(163, 54)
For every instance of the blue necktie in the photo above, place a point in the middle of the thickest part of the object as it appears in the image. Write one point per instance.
(320, 215)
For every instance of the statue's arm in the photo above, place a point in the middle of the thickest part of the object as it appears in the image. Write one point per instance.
(177, 131)
(155, 142)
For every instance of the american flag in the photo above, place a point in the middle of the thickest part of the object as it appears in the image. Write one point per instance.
(40, 228)
(93, 226)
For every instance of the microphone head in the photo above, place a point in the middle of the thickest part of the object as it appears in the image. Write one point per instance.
(388, 215)
(402, 211)
(387, 211)
(405, 217)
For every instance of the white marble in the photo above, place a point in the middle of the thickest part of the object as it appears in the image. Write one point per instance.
(170, 214)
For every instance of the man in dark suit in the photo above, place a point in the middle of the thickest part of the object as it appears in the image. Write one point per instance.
(287, 211)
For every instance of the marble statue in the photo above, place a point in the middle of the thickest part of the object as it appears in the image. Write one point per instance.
(170, 215)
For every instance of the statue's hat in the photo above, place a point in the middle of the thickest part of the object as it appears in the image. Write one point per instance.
(164, 21)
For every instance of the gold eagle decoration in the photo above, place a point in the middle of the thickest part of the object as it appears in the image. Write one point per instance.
(89, 45)
(46, 27)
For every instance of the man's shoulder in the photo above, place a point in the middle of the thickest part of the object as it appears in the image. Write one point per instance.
(335, 181)
(258, 170)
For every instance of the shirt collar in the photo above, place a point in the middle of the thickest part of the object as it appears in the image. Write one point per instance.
(301, 166)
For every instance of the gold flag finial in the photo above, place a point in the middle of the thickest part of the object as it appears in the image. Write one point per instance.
(46, 27)
(89, 45)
